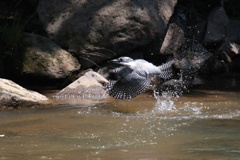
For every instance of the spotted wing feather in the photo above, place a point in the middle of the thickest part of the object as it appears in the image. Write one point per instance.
(127, 89)
(166, 70)
(129, 84)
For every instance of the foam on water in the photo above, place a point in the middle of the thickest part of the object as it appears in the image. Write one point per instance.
(165, 103)
(172, 107)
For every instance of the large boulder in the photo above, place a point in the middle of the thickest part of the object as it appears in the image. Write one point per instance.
(89, 85)
(221, 36)
(13, 95)
(44, 58)
(217, 25)
(217, 28)
(232, 34)
(102, 29)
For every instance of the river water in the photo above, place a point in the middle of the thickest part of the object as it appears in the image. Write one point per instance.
(203, 124)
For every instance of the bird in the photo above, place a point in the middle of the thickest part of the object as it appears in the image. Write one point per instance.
(134, 77)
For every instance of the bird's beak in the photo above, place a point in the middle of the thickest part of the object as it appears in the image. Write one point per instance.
(115, 61)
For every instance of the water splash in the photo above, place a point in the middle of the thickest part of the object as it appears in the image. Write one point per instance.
(192, 108)
(165, 103)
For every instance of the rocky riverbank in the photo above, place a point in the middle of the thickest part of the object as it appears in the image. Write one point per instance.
(70, 37)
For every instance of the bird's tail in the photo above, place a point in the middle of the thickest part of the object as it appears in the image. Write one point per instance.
(166, 70)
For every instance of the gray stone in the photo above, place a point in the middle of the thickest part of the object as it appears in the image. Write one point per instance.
(13, 95)
(173, 40)
(90, 85)
(217, 24)
(42, 57)
(232, 33)
(102, 29)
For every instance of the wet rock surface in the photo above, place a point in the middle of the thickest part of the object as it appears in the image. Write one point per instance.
(13, 95)
(89, 85)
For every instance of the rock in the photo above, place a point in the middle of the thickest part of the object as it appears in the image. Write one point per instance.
(235, 49)
(235, 65)
(32, 3)
(103, 29)
(173, 40)
(224, 56)
(172, 87)
(201, 79)
(217, 24)
(2, 69)
(90, 85)
(234, 31)
(44, 58)
(216, 66)
(13, 95)
(228, 51)
(199, 31)
(192, 59)
(233, 28)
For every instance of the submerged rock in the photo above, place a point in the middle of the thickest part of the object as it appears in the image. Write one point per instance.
(90, 85)
(44, 58)
(101, 29)
(13, 95)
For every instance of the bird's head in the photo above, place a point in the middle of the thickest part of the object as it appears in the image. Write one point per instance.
(123, 60)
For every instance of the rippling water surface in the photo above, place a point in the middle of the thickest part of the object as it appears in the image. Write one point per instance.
(203, 124)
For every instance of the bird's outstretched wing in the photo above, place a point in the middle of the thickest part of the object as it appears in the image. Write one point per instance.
(166, 70)
(129, 84)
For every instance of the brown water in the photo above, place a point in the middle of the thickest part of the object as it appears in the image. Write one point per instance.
(204, 124)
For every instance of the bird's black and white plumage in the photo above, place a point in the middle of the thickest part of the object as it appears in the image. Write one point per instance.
(134, 77)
